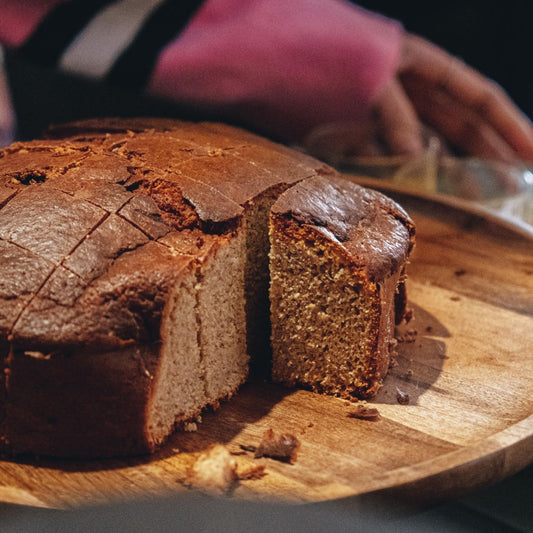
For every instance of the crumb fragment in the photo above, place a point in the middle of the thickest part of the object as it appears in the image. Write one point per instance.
(408, 316)
(304, 429)
(190, 426)
(363, 412)
(248, 448)
(393, 344)
(408, 374)
(283, 447)
(38, 355)
(408, 336)
(215, 470)
(250, 471)
(402, 397)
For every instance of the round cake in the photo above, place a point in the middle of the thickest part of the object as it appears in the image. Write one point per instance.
(135, 278)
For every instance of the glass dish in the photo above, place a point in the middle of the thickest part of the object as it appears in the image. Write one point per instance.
(505, 188)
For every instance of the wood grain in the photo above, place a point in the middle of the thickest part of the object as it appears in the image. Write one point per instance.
(464, 360)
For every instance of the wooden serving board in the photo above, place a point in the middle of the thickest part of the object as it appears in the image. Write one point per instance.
(465, 360)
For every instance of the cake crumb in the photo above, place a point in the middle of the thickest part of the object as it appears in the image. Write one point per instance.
(408, 336)
(283, 447)
(214, 470)
(190, 427)
(250, 471)
(363, 412)
(305, 428)
(408, 374)
(248, 448)
(402, 397)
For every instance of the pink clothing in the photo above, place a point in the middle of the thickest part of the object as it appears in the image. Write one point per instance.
(7, 115)
(19, 18)
(286, 65)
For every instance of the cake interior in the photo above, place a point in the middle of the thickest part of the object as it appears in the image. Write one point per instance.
(325, 316)
(204, 357)
(221, 320)
(257, 280)
(179, 387)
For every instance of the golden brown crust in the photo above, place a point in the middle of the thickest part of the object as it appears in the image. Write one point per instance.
(79, 404)
(366, 227)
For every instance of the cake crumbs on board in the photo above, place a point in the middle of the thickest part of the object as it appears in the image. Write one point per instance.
(281, 447)
(364, 412)
(217, 471)
(408, 336)
(402, 397)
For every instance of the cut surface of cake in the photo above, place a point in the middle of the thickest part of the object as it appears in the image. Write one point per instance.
(338, 254)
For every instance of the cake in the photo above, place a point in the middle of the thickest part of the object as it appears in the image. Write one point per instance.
(337, 285)
(135, 279)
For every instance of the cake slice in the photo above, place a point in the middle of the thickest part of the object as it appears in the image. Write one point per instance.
(337, 260)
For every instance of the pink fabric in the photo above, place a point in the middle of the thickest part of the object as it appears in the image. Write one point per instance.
(7, 114)
(19, 18)
(283, 65)
(288, 65)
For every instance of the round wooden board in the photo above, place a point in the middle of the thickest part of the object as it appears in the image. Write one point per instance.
(465, 361)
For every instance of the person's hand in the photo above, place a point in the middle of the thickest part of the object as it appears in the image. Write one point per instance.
(432, 93)
(468, 110)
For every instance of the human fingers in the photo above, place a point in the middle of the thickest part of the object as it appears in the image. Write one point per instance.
(458, 124)
(334, 142)
(398, 122)
(392, 127)
(438, 70)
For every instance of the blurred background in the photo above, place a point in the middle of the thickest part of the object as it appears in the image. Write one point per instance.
(495, 38)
